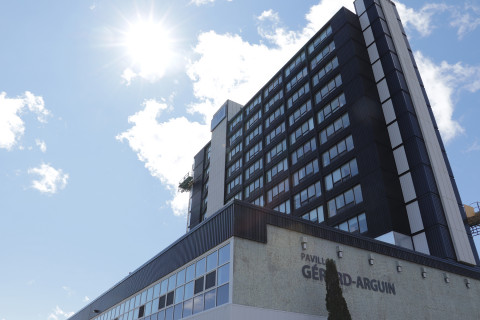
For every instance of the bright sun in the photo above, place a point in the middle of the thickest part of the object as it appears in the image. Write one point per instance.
(149, 46)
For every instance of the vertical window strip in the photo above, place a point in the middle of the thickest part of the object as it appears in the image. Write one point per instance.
(277, 190)
(234, 151)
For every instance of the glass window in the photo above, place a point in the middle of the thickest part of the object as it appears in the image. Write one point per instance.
(164, 287)
(188, 308)
(161, 315)
(171, 282)
(155, 305)
(180, 277)
(362, 222)
(200, 267)
(191, 272)
(169, 314)
(189, 289)
(223, 274)
(222, 295)
(161, 302)
(343, 226)
(198, 285)
(177, 312)
(170, 298)
(179, 294)
(148, 308)
(224, 254)
(210, 299)
(348, 197)
(210, 280)
(198, 304)
(353, 224)
(156, 290)
(358, 194)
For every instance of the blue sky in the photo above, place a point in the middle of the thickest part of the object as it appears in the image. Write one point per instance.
(95, 134)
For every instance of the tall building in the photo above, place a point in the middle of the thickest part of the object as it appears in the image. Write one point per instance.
(342, 135)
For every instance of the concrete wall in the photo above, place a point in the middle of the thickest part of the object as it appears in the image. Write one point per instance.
(270, 276)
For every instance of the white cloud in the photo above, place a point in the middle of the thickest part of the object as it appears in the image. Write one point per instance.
(41, 145)
(128, 75)
(203, 2)
(51, 180)
(420, 20)
(474, 147)
(228, 67)
(12, 127)
(68, 290)
(86, 299)
(167, 148)
(58, 314)
(466, 20)
(443, 82)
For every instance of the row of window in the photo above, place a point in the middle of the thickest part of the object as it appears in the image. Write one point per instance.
(298, 94)
(321, 55)
(252, 187)
(277, 190)
(253, 104)
(201, 285)
(332, 64)
(350, 197)
(343, 173)
(319, 39)
(344, 145)
(273, 85)
(298, 77)
(329, 87)
(253, 120)
(315, 215)
(275, 115)
(273, 100)
(299, 60)
(252, 135)
(355, 224)
(257, 165)
(337, 125)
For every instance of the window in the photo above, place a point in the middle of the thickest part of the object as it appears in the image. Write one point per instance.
(321, 55)
(298, 94)
(337, 150)
(253, 151)
(279, 167)
(234, 151)
(315, 215)
(339, 124)
(343, 173)
(303, 150)
(253, 104)
(273, 134)
(348, 198)
(277, 190)
(234, 167)
(253, 134)
(330, 108)
(300, 112)
(301, 131)
(283, 207)
(319, 39)
(277, 150)
(258, 201)
(309, 169)
(235, 182)
(253, 119)
(273, 100)
(332, 64)
(307, 195)
(274, 116)
(299, 76)
(254, 167)
(329, 87)
(357, 224)
(255, 185)
(274, 84)
(235, 136)
(235, 121)
(298, 60)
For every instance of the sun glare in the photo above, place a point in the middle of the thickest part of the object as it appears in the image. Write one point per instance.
(149, 46)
